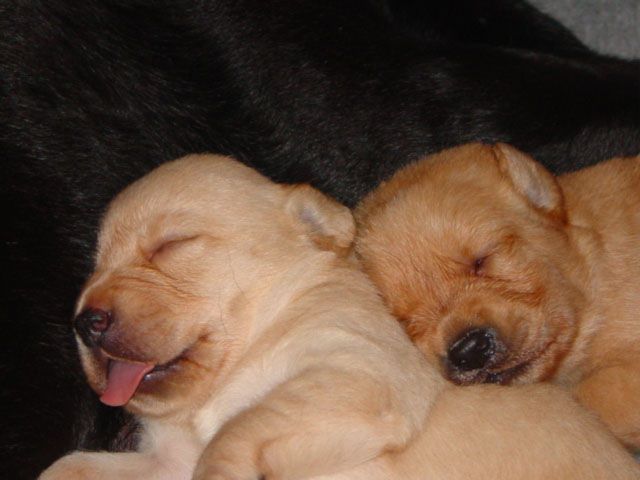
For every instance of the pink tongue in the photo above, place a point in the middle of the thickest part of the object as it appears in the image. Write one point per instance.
(122, 380)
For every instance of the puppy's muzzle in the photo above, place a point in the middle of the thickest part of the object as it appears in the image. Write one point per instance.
(480, 356)
(91, 324)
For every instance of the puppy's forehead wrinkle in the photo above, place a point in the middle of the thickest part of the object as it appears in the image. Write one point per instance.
(221, 316)
(153, 281)
(229, 258)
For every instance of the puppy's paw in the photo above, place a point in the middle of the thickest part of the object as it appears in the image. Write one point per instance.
(76, 466)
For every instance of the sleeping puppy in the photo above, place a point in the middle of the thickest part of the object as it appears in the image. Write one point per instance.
(227, 315)
(224, 307)
(503, 273)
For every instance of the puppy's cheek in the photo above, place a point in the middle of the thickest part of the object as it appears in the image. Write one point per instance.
(540, 340)
(187, 386)
(535, 335)
(549, 362)
(158, 400)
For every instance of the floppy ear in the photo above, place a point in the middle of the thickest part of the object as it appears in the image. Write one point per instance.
(328, 223)
(531, 180)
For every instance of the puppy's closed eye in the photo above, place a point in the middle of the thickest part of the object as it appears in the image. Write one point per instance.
(169, 245)
(489, 259)
(478, 266)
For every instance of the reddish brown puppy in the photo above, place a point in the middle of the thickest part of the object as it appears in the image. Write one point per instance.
(502, 273)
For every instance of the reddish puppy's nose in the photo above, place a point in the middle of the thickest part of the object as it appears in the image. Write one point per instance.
(91, 324)
(474, 349)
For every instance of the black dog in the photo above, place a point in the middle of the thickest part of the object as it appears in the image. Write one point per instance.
(338, 93)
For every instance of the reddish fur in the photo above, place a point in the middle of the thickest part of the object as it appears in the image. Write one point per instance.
(560, 277)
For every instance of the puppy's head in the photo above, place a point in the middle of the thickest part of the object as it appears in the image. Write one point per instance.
(186, 258)
(470, 251)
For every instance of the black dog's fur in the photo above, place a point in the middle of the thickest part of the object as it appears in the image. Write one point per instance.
(337, 93)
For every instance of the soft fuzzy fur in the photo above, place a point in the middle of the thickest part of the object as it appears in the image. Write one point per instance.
(96, 93)
(482, 237)
(272, 355)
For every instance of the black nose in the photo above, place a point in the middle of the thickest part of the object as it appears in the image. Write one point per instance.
(474, 349)
(91, 324)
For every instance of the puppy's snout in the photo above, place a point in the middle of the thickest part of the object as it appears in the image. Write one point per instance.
(475, 349)
(91, 324)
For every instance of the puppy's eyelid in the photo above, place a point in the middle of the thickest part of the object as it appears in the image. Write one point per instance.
(167, 244)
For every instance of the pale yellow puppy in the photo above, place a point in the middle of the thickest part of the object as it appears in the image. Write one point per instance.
(226, 313)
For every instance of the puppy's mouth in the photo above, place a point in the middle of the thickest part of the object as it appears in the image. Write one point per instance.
(124, 378)
(501, 377)
(504, 377)
(480, 355)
